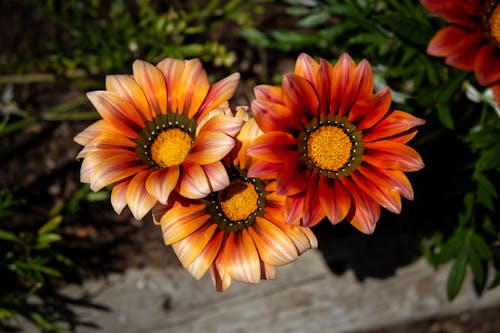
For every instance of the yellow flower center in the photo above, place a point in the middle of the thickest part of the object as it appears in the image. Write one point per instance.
(239, 200)
(329, 148)
(170, 147)
(494, 23)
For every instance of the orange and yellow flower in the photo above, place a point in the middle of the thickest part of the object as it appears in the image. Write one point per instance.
(238, 232)
(161, 130)
(336, 148)
(472, 40)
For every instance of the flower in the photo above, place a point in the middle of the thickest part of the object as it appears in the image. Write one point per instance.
(471, 42)
(339, 150)
(160, 131)
(238, 232)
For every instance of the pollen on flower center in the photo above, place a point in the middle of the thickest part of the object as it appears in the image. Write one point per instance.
(329, 148)
(493, 23)
(171, 147)
(239, 200)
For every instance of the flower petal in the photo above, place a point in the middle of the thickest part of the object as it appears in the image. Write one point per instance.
(392, 179)
(194, 183)
(90, 133)
(117, 112)
(219, 93)
(241, 257)
(275, 147)
(313, 210)
(364, 212)
(139, 201)
(205, 259)
(367, 111)
(360, 86)
(462, 12)
(189, 248)
(113, 169)
(152, 83)
(466, 51)
(161, 183)
(263, 169)
(487, 66)
(194, 86)
(339, 82)
(217, 176)
(210, 147)
(334, 199)
(119, 196)
(172, 70)
(129, 90)
(273, 245)
(275, 117)
(387, 197)
(300, 97)
(218, 273)
(303, 238)
(268, 93)
(306, 67)
(396, 123)
(181, 221)
(388, 154)
(294, 209)
(292, 178)
(222, 123)
(445, 41)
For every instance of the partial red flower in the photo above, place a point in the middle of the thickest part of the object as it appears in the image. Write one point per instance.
(161, 130)
(336, 148)
(472, 40)
(235, 233)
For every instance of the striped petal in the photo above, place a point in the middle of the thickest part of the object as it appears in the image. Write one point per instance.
(334, 199)
(272, 116)
(172, 70)
(267, 272)
(218, 273)
(273, 245)
(392, 155)
(181, 221)
(445, 41)
(274, 147)
(224, 124)
(294, 209)
(391, 179)
(161, 183)
(487, 65)
(139, 201)
(364, 212)
(190, 247)
(268, 93)
(300, 97)
(113, 169)
(152, 83)
(241, 257)
(396, 123)
(129, 90)
(292, 178)
(105, 141)
(219, 93)
(360, 86)
(263, 169)
(313, 211)
(217, 176)
(339, 82)
(210, 147)
(303, 238)
(466, 51)
(119, 196)
(117, 112)
(205, 259)
(367, 111)
(387, 197)
(90, 133)
(194, 183)
(306, 67)
(193, 86)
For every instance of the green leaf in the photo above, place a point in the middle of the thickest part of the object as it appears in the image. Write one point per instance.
(477, 268)
(406, 28)
(8, 236)
(46, 239)
(314, 19)
(468, 204)
(456, 276)
(52, 224)
(450, 248)
(480, 246)
(486, 191)
(444, 115)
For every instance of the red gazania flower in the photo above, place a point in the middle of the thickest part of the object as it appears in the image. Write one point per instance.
(236, 233)
(472, 40)
(339, 149)
(161, 130)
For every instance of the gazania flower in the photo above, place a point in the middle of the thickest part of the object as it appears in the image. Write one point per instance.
(237, 233)
(471, 42)
(339, 150)
(160, 131)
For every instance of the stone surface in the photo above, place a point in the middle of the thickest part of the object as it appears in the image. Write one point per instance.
(305, 297)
